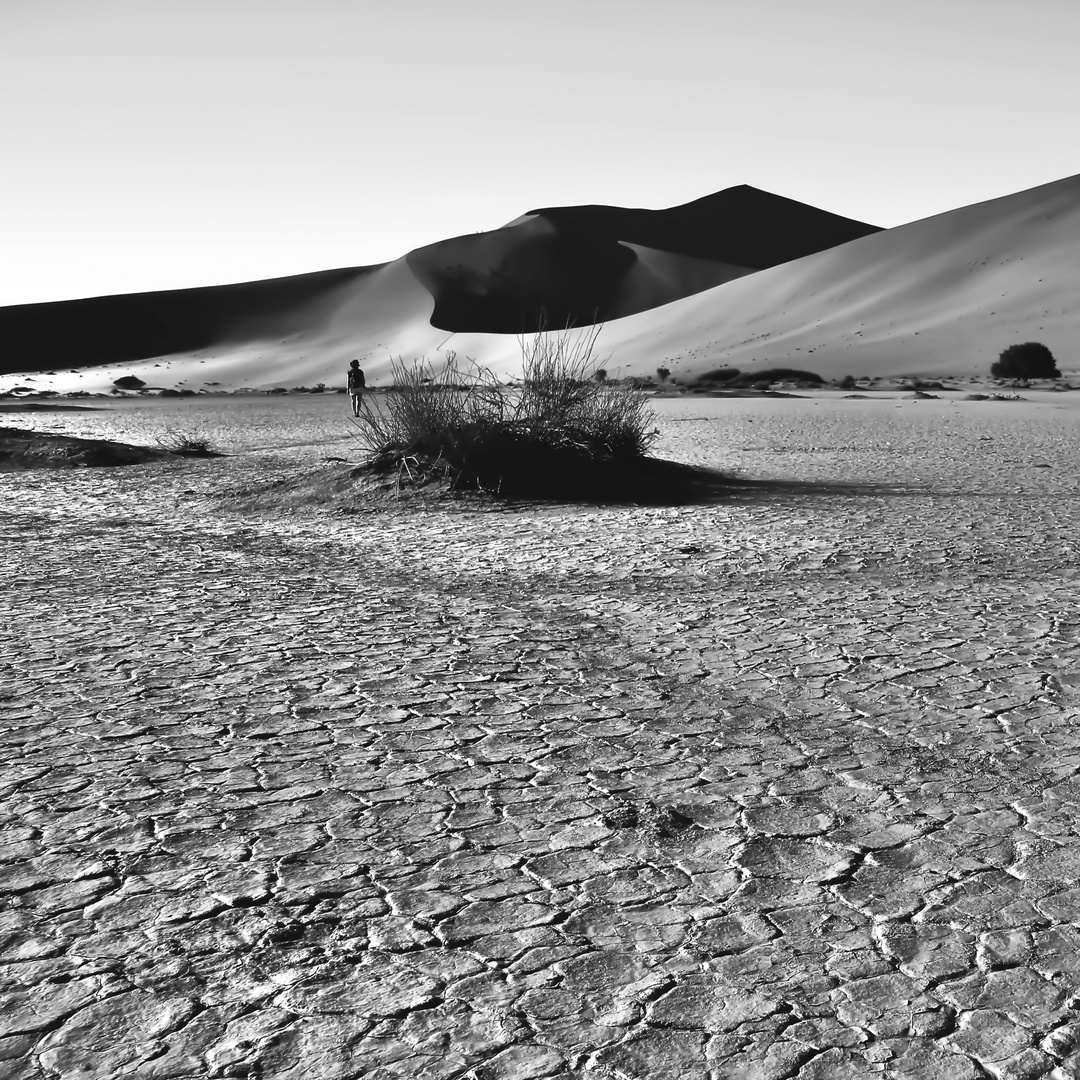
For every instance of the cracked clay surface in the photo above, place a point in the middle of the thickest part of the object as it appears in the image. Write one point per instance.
(777, 788)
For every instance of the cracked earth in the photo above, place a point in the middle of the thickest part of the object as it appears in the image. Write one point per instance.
(783, 787)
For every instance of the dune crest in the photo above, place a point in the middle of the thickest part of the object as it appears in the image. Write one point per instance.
(575, 265)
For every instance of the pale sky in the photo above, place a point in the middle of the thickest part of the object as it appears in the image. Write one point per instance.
(152, 144)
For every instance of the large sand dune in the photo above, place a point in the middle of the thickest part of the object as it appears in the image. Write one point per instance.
(941, 296)
(552, 266)
(111, 329)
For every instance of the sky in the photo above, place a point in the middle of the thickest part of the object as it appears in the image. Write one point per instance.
(155, 144)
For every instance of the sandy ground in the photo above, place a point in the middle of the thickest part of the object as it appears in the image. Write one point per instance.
(780, 787)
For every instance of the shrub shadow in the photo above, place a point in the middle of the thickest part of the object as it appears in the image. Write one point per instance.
(649, 482)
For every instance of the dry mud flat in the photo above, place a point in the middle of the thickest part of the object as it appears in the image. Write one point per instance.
(785, 786)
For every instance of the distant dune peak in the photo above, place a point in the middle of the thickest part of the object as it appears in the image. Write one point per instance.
(742, 225)
(575, 265)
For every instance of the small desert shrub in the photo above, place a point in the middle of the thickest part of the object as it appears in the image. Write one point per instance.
(1030, 360)
(534, 437)
(186, 444)
(662, 373)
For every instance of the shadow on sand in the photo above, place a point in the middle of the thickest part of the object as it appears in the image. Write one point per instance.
(22, 449)
(656, 482)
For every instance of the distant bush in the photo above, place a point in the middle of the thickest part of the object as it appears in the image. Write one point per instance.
(128, 382)
(1031, 360)
(847, 382)
(775, 375)
(724, 374)
(662, 373)
(541, 437)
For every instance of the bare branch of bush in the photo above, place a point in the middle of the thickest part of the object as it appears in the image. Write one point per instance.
(187, 444)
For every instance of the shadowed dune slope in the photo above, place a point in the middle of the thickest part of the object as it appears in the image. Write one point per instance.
(575, 265)
(740, 225)
(943, 295)
(115, 329)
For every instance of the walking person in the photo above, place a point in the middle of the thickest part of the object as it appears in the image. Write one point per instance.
(356, 386)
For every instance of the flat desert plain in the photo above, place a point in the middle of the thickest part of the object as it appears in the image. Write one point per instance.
(781, 786)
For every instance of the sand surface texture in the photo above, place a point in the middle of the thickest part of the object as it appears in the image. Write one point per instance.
(781, 787)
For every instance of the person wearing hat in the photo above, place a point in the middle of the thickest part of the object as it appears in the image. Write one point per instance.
(356, 386)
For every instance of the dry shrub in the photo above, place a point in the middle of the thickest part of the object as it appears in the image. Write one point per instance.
(187, 444)
(539, 437)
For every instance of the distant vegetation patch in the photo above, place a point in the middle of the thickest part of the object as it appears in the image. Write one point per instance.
(1029, 360)
(721, 375)
(128, 382)
(775, 375)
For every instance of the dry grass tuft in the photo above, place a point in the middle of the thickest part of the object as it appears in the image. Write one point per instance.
(544, 436)
(187, 444)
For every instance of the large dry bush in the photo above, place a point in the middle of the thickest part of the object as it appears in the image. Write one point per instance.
(541, 435)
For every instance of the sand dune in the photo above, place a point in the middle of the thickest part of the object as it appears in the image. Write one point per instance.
(552, 266)
(941, 296)
(112, 329)
(566, 265)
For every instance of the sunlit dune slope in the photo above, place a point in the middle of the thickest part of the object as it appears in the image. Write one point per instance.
(939, 296)
(550, 267)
